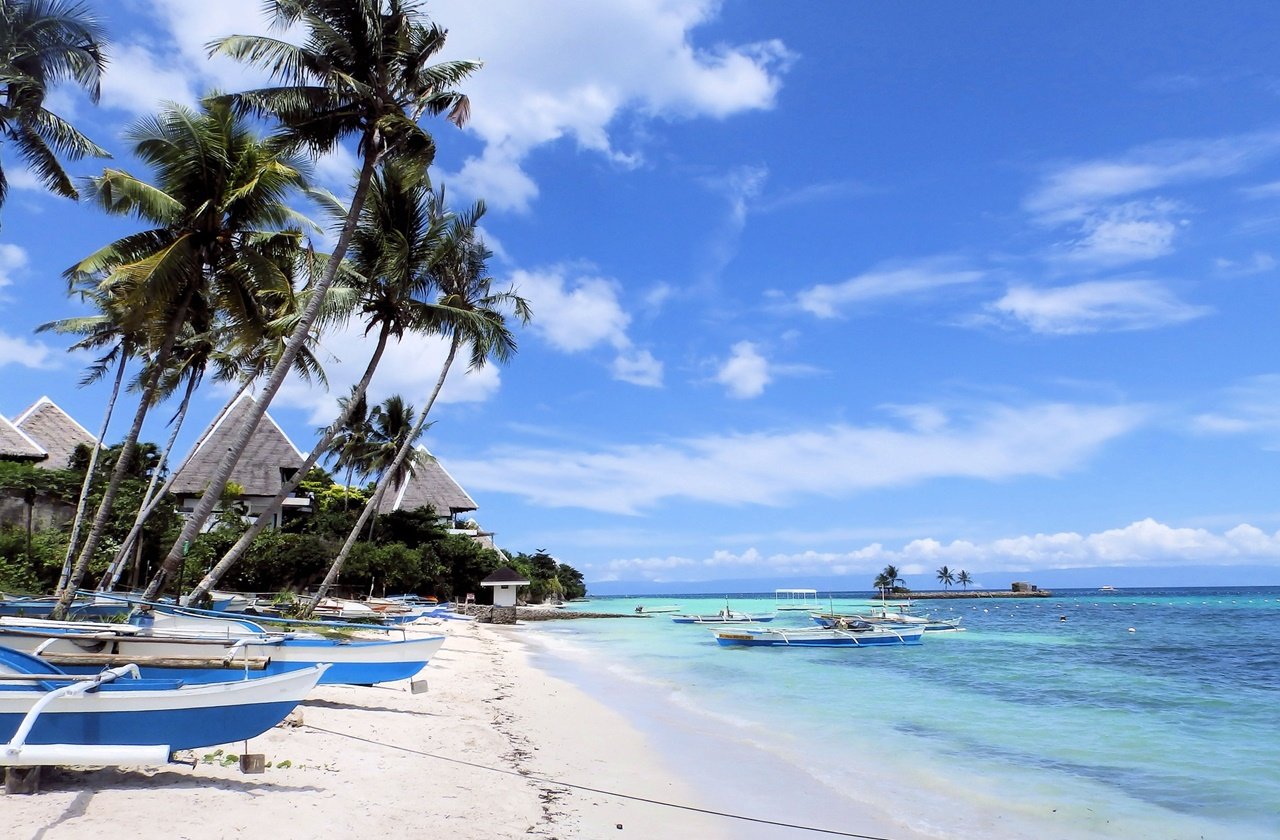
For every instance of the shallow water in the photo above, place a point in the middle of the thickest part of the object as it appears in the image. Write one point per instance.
(1138, 714)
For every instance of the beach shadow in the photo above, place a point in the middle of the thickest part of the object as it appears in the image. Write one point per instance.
(77, 808)
(360, 707)
(99, 779)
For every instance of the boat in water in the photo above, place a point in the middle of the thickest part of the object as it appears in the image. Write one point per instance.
(886, 618)
(641, 609)
(795, 599)
(48, 716)
(854, 636)
(725, 616)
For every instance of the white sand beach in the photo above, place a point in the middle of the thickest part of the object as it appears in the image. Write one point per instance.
(469, 758)
(370, 762)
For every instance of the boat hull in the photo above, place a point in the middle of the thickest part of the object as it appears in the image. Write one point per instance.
(818, 638)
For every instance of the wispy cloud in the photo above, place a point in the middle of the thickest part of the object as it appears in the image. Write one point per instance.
(1073, 191)
(1094, 306)
(1259, 262)
(830, 300)
(26, 353)
(1251, 407)
(1124, 233)
(777, 468)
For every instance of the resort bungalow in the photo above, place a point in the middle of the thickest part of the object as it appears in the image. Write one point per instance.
(269, 460)
(55, 431)
(15, 445)
(429, 484)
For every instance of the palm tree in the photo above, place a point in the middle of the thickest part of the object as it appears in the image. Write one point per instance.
(393, 253)
(42, 43)
(219, 250)
(362, 73)
(882, 583)
(963, 579)
(946, 577)
(471, 314)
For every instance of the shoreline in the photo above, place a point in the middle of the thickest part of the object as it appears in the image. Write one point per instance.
(370, 761)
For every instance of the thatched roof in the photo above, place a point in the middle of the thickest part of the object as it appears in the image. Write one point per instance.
(507, 576)
(429, 483)
(259, 470)
(16, 446)
(55, 431)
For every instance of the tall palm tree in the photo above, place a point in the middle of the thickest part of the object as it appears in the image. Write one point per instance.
(42, 43)
(892, 577)
(946, 577)
(362, 72)
(393, 253)
(220, 249)
(963, 579)
(350, 445)
(470, 314)
(391, 423)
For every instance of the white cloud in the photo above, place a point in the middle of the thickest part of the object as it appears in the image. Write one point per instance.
(1073, 191)
(830, 300)
(745, 373)
(773, 468)
(1094, 307)
(1250, 408)
(409, 368)
(26, 353)
(573, 313)
(1143, 543)
(636, 57)
(143, 75)
(1259, 262)
(1136, 230)
(638, 367)
(13, 259)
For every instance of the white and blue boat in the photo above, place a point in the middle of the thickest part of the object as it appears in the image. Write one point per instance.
(884, 618)
(48, 716)
(864, 636)
(725, 616)
(208, 649)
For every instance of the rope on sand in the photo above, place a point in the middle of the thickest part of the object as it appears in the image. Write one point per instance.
(528, 777)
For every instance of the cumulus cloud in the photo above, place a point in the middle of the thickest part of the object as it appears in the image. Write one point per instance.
(13, 260)
(773, 468)
(576, 312)
(1143, 543)
(1094, 306)
(635, 57)
(26, 353)
(143, 75)
(920, 278)
(745, 373)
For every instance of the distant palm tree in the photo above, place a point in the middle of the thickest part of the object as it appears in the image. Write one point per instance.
(946, 577)
(892, 576)
(882, 583)
(349, 446)
(42, 43)
(963, 579)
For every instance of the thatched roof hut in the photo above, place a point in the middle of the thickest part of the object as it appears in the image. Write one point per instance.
(429, 483)
(15, 445)
(55, 431)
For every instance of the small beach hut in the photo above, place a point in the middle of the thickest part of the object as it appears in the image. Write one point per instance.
(429, 484)
(505, 583)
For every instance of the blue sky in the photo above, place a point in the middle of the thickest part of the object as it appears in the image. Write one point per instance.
(816, 287)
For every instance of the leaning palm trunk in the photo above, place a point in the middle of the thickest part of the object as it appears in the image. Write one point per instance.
(82, 505)
(218, 482)
(210, 580)
(384, 481)
(150, 499)
(127, 451)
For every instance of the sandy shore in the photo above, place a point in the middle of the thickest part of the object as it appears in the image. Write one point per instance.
(369, 762)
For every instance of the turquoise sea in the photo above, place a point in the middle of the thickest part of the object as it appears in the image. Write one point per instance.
(1150, 713)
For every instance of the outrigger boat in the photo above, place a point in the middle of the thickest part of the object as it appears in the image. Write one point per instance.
(864, 636)
(641, 609)
(725, 616)
(205, 649)
(795, 599)
(885, 618)
(48, 716)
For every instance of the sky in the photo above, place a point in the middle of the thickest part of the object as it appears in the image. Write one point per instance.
(816, 287)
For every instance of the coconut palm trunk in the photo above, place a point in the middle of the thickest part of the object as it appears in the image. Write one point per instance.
(82, 504)
(150, 499)
(233, 555)
(384, 481)
(127, 451)
(218, 481)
